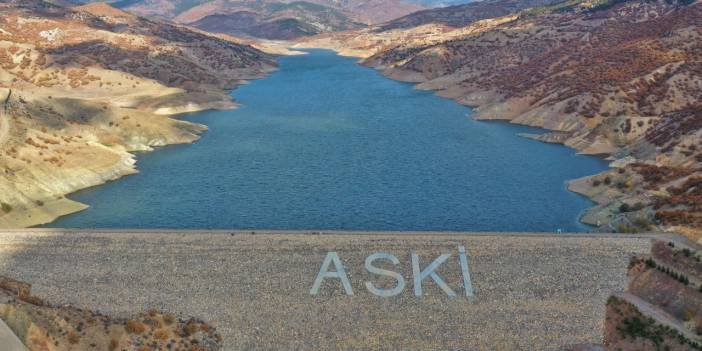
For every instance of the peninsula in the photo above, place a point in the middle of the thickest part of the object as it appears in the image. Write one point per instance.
(82, 88)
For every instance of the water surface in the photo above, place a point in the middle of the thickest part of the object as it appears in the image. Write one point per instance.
(324, 143)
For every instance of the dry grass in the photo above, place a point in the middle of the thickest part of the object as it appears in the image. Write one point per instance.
(134, 326)
(73, 337)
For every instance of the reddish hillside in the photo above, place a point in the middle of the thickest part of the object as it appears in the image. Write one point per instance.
(615, 78)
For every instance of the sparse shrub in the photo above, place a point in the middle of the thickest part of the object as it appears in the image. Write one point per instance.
(7, 208)
(624, 207)
(190, 328)
(168, 319)
(73, 337)
(133, 326)
(162, 334)
(113, 344)
(625, 228)
(643, 223)
(688, 315)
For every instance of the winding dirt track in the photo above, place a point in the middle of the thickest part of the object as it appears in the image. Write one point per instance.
(658, 314)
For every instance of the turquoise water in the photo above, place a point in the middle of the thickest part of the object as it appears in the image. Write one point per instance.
(324, 143)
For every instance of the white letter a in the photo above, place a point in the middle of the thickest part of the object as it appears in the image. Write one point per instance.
(332, 257)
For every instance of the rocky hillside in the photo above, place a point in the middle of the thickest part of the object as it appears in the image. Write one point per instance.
(185, 11)
(622, 79)
(277, 20)
(81, 88)
(43, 327)
(661, 308)
(463, 15)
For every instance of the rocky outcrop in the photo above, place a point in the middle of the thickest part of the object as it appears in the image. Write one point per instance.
(43, 327)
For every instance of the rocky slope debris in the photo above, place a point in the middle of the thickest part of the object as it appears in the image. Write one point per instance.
(43, 327)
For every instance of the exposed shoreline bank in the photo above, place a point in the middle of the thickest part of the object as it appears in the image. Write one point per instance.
(51, 209)
(82, 88)
(132, 169)
(594, 216)
(596, 100)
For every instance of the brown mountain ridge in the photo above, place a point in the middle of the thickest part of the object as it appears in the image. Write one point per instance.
(622, 79)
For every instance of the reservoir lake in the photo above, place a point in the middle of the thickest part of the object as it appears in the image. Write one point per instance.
(326, 144)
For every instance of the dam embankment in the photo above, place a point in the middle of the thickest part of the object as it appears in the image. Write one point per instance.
(532, 291)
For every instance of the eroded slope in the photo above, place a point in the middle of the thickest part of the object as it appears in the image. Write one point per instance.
(82, 87)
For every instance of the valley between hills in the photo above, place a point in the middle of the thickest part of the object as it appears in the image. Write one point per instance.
(617, 79)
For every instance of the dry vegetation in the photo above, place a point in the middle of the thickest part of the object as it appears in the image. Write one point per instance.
(661, 308)
(621, 79)
(42, 326)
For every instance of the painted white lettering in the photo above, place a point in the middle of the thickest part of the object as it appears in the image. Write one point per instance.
(429, 272)
(340, 273)
(467, 284)
(384, 272)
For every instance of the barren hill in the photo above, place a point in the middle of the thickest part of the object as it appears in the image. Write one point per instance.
(185, 11)
(277, 21)
(462, 15)
(82, 87)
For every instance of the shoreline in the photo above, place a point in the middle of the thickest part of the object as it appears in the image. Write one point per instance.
(67, 206)
(53, 209)
(78, 118)
(551, 136)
